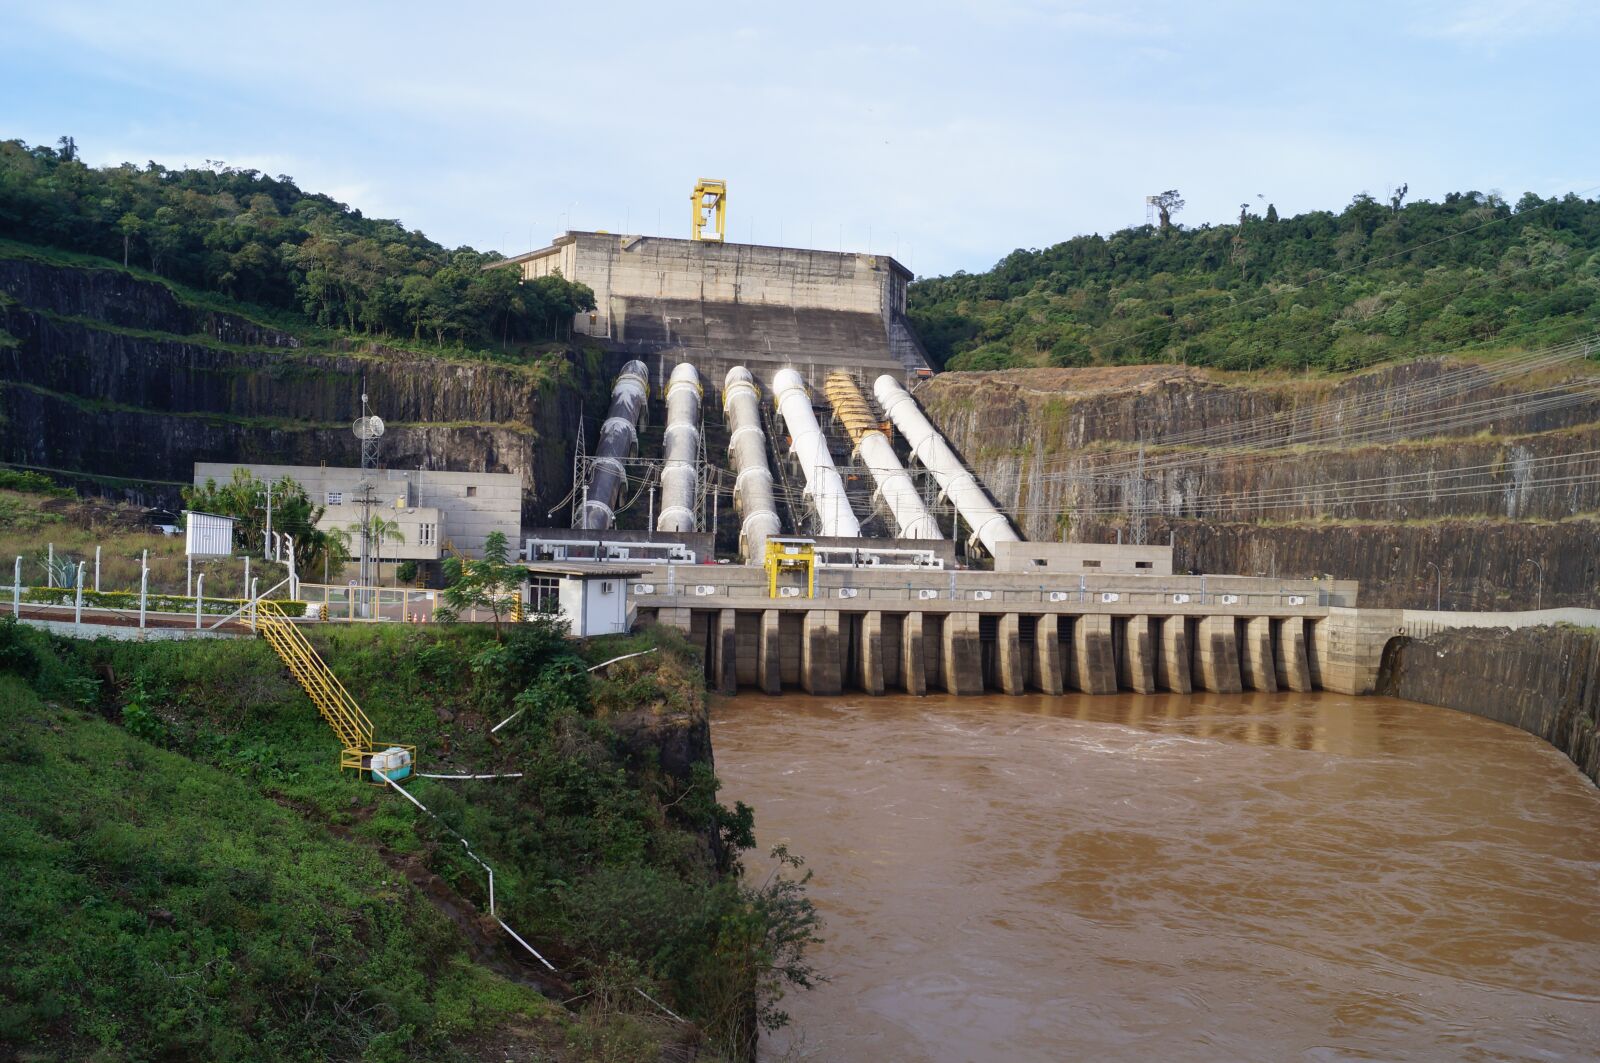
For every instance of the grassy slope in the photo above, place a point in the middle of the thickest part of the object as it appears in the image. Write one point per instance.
(232, 785)
(159, 907)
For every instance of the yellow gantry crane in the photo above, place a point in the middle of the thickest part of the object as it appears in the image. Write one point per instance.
(784, 554)
(710, 201)
(333, 701)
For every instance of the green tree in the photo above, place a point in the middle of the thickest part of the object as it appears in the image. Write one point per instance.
(293, 513)
(491, 583)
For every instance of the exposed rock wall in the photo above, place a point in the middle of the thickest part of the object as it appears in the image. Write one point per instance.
(1484, 564)
(1037, 437)
(1544, 680)
(116, 377)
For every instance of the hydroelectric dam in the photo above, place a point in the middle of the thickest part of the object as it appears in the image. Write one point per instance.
(763, 479)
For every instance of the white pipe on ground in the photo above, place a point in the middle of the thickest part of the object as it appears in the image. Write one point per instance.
(619, 437)
(747, 444)
(679, 477)
(824, 486)
(989, 525)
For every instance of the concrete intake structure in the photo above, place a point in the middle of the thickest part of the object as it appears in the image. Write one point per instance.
(989, 525)
(747, 445)
(824, 486)
(899, 494)
(679, 477)
(619, 437)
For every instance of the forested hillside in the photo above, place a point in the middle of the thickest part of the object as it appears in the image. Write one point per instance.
(1376, 281)
(261, 239)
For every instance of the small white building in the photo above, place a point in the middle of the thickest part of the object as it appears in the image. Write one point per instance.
(593, 600)
(207, 534)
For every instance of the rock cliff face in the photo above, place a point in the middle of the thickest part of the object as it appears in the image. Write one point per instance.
(1543, 680)
(1038, 439)
(113, 376)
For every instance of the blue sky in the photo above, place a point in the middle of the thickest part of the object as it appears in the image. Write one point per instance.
(944, 132)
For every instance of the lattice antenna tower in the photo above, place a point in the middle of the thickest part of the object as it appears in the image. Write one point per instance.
(369, 429)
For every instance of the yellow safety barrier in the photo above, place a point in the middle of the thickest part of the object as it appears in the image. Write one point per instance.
(333, 701)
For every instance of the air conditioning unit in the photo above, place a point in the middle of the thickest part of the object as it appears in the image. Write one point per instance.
(788, 592)
(847, 592)
(982, 596)
(1180, 599)
(703, 589)
(1058, 596)
(1297, 599)
(1228, 599)
(927, 595)
(644, 588)
(607, 587)
(1109, 596)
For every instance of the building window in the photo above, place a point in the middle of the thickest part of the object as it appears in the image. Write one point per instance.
(426, 534)
(472, 492)
(1091, 564)
(1144, 564)
(335, 498)
(544, 594)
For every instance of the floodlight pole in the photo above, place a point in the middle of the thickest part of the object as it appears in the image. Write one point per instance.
(199, 598)
(97, 570)
(77, 599)
(266, 536)
(16, 589)
(144, 584)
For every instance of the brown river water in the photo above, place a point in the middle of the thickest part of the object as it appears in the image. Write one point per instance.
(1207, 877)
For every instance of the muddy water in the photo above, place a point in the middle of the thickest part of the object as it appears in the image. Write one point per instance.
(1257, 877)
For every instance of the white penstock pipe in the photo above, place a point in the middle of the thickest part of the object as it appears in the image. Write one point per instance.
(619, 436)
(989, 525)
(824, 486)
(911, 518)
(747, 445)
(679, 477)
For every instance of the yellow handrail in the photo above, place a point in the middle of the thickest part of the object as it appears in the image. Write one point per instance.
(332, 700)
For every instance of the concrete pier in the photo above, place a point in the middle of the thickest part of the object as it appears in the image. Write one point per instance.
(1173, 662)
(1047, 655)
(1008, 654)
(961, 656)
(913, 658)
(819, 653)
(1289, 654)
(869, 654)
(1216, 656)
(1096, 671)
(769, 650)
(1257, 670)
(725, 654)
(1138, 657)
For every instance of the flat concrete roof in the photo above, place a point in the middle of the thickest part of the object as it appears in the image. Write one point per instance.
(572, 234)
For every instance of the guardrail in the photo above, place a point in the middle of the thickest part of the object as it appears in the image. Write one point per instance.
(695, 587)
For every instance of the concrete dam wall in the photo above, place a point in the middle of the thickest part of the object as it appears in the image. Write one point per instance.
(1544, 680)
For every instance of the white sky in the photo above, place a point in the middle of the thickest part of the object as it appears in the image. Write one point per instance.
(945, 132)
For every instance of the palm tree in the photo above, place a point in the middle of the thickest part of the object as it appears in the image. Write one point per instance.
(378, 529)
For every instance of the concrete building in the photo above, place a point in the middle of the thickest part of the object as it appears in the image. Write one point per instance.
(725, 304)
(430, 507)
(1083, 559)
(592, 601)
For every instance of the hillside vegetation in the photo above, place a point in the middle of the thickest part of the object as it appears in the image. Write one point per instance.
(1373, 282)
(191, 876)
(261, 240)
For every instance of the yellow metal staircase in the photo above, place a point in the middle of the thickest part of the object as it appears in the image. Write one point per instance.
(333, 701)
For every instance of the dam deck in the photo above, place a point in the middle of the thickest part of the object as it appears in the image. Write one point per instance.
(968, 632)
